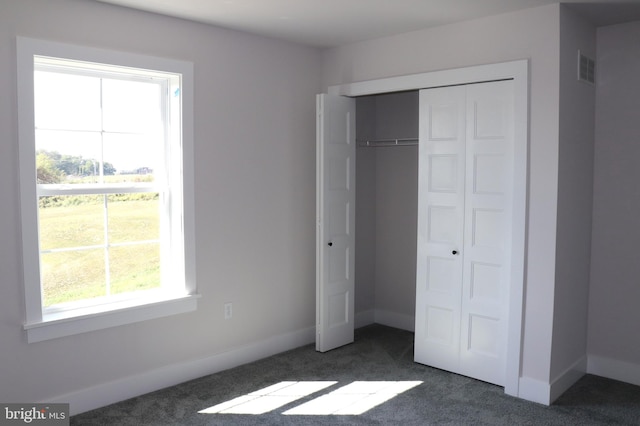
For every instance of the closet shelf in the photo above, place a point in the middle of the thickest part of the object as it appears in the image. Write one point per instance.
(387, 142)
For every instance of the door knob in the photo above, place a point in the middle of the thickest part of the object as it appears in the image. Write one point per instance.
(454, 252)
(330, 243)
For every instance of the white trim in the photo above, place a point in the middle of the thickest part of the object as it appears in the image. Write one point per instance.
(518, 71)
(545, 393)
(101, 56)
(28, 189)
(614, 369)
(450, 77)
(364, 318)
(44, 190)
(119, 390)
(111, 317)
(519, 227)
(395, 320)
(567, 378)
(38, 326)
(534, 390)
(388, 318)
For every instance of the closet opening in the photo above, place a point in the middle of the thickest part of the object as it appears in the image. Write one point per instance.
(386, 208)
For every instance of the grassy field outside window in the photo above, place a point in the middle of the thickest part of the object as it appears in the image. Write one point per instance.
(76, 224)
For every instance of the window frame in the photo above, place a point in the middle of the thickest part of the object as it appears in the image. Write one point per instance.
(43, 324)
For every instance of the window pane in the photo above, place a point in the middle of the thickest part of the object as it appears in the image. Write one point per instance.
(131, 106)
(99, 125)
(71, 221)
(133, 217)
(66, 101)
(73, 275)
(134, 268)
(135, 158)
(68, 157)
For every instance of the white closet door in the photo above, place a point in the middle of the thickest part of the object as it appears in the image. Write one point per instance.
(440, 227)
(335, 236)
(463, 284)
(487, 237)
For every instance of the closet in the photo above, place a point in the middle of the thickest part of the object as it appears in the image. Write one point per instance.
(421, 212)
(386, 206)
(449, 253)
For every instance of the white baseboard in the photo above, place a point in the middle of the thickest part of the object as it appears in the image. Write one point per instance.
(393, 319)
(534, 390)
(545, 393)
(140, 384)
(390, 319)
(613, 369)
(567, 378)
(364, 318)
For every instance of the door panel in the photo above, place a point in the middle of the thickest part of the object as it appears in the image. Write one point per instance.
(464, 227)
(440, 227)
(335, 239)
(487, 252)
(443, 173)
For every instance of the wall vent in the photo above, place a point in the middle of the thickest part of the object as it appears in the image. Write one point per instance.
(586, 69)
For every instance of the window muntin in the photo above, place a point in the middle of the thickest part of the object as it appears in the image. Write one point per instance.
(162, 245)
(94, 131)
(115, 117)
(96, 246)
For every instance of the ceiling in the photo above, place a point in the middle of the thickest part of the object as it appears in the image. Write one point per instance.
(328, 23)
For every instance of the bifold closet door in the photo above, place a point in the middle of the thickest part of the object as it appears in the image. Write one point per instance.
(335, 233)
(464, 228)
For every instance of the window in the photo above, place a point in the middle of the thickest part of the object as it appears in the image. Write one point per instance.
(107, 187)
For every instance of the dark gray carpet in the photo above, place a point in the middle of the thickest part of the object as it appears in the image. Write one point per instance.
(379, 354)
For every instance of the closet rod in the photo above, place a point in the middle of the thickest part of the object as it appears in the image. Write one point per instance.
(388, 142)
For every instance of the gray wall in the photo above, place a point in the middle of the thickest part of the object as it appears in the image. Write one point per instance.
(575, 198)
(366, 213)
(255, 199)
(532, 34)
(614, 313)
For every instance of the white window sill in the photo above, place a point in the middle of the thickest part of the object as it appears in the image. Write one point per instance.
(68, 323)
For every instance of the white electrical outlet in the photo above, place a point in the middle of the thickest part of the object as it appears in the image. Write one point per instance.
(228, 310)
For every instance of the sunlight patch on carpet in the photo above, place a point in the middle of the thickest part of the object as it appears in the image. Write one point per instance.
(268, 399)
(353, 399)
